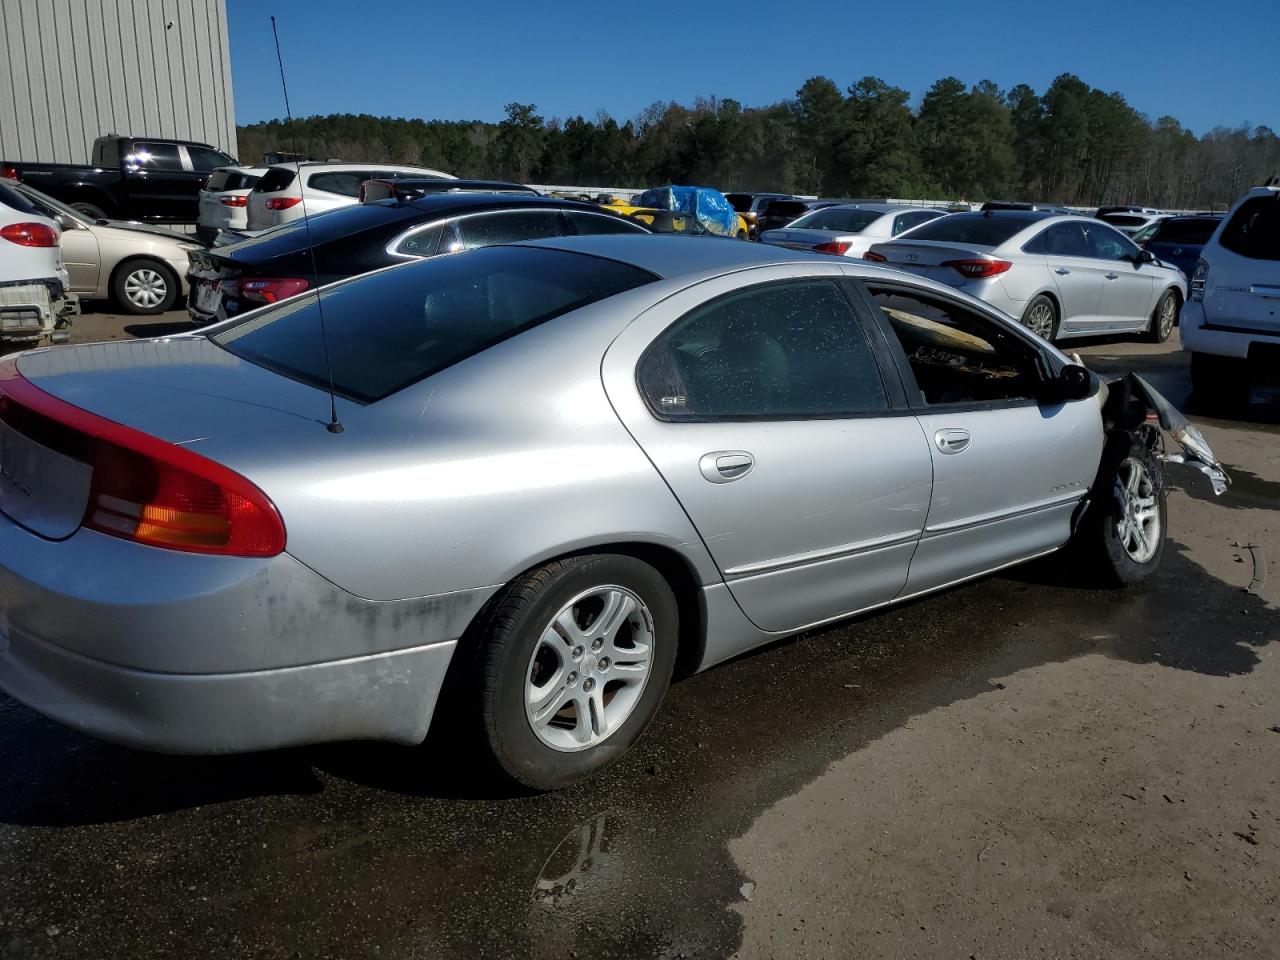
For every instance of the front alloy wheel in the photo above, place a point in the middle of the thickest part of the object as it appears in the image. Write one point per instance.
(1138, 524)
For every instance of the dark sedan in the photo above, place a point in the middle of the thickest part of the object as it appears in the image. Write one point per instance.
(1178, 240)
(226, 281)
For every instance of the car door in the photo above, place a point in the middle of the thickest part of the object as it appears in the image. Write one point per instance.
(1128, 288)
(1075, 274)
(760, 400)
(157, 181)
(82, 258)
(1009, 472)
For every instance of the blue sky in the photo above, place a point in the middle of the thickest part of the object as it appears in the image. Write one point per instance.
(1206, 64)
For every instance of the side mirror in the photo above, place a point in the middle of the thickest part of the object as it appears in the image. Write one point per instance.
(1073, 382)
(1144, 256)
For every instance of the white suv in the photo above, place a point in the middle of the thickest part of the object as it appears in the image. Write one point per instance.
(224, 200)
(278, 197)
(1231, 320)
(35, 299)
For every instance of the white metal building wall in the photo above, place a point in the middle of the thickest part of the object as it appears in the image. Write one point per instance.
(74, 70)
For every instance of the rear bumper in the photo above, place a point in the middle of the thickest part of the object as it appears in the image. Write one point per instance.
(381, 697)
(202, 654)
(1222, 338)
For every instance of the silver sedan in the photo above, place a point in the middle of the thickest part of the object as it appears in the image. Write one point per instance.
(549, 474)
(849, 229)
(1062, 276)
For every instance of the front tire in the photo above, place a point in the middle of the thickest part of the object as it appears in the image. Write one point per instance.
(575, 659)
(1163, 318)
(1122, 537)
(144, 287)
(1041, 318)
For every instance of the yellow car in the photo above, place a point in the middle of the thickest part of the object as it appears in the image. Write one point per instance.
(668, 221)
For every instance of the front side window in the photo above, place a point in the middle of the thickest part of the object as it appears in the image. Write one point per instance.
(957, 355)
(204, 158)
(784, 350)
(1110, 244)
(155, 156)
(1254, 229)
(430, 314)
(509, 226)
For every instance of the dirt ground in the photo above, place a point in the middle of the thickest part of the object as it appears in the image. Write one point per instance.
(1024, 766)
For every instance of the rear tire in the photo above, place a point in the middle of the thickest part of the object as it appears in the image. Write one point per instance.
(1219, 383)
(1163, 318)
(1041, 317)
(548, 639)
(1122, 536)
(90, 211)
(144, 287)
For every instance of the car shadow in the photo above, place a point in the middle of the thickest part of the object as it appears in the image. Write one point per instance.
(143, 329)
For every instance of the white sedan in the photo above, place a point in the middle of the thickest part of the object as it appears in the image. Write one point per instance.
(848, 229)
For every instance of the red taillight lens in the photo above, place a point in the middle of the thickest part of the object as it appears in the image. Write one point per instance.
(978, 269)
(153, 492)
(282, 203)
(30, 234)
(10, 173)
(234, 201)
(875, 257)
(270, 289)
(838, 247)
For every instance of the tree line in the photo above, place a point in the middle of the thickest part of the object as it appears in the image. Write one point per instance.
(1072, 144)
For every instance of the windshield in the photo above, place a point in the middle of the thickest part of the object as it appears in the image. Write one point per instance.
(977, 229)
(1197, 231)
(390, 329)
(838, 219)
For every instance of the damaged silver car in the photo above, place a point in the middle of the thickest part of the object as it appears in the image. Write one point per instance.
(536, 480)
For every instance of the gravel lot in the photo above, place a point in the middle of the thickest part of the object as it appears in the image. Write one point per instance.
(1022, 766)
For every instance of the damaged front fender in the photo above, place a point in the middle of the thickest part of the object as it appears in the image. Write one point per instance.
(1195, 449)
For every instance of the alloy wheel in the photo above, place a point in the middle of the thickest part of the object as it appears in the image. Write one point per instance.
(1040, 320)
(1138, 526)
(589, 668)
(1168, 313)
(145, 288)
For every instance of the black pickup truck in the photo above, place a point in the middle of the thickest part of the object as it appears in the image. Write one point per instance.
(131, 178)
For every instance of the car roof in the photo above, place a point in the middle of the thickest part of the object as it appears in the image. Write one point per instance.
(463, 201)
(668, 256)
(875, 207)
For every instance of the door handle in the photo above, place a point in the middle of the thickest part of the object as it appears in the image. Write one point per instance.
(952, 439)
(1062, 271)
(1111, 276)
(725, 466)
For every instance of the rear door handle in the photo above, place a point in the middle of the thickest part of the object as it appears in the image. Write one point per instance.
(725, 466)
(1062, 271)
(952, 439)
(1111, 276)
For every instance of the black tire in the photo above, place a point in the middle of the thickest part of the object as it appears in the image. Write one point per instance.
(507, 636)
(1219, 383)
(1035, 309)
(1158, 331)
(1100, 547)
(90, 210)
(138, 270)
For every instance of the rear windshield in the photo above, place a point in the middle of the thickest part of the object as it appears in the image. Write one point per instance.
(833, 218)
(739, 201)
(1254, 230)
(1124, 219)
(785, 208)
(975, 229)
(275, 180)
(1187, 231)
(230, 180)
(388, 330)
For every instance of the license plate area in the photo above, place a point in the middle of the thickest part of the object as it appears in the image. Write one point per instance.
(40, 488)
(208, 296)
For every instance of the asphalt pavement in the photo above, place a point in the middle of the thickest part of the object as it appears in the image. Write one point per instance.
(1023, 766)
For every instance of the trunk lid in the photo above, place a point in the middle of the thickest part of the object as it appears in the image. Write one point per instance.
(925, 257)
(184, 390)
(801, 239)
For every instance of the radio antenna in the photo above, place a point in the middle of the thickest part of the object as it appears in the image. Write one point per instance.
(333, 426)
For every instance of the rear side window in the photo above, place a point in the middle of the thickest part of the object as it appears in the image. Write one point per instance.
(388, 330)
(345, 183)
(510, 226)
(909, 221)
(206, 158)
(783, 350)
(592, 224)
(1061, 240)
(424, 243)
(275, 180)
(976, 229)
(1254, 229)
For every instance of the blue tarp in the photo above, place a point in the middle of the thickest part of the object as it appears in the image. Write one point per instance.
(709, 207)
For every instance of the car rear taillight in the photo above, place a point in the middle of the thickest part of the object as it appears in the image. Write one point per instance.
(235, 201)
(875, 257)
(146, 489)
(978, 269)
(1196, 290)
(30, 234)
(10, 173)
(282, 203)
(265, 289)
(838, 247)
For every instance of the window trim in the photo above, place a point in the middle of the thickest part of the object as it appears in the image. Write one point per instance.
(895, 403)
(1046, 363)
